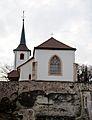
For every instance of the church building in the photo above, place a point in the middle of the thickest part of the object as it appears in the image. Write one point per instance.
(51, 61)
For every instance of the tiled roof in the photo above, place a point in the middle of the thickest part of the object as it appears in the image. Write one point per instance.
(54, 44)
(13, 75)
(21, 47)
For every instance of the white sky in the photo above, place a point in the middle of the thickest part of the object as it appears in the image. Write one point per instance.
(69, 20)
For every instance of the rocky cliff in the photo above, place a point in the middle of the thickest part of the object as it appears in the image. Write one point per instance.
(33, 100)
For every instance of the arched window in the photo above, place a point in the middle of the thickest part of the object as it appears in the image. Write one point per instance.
(21, 56)
(55, 66)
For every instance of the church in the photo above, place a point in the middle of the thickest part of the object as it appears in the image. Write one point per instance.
(51, 61)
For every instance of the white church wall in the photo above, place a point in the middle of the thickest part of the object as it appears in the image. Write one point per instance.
(17, 61)
(25, 70)
(67, 57)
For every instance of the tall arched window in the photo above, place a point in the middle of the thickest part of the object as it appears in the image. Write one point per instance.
(21, 56)
(55, 66)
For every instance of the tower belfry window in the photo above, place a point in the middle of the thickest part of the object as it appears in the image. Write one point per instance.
(21, 56)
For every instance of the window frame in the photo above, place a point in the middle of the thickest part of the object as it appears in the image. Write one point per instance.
(22, 56)
(49, 65)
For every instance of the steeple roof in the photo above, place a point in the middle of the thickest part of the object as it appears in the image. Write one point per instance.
(54, 44)
(23, 41)
(22, 46)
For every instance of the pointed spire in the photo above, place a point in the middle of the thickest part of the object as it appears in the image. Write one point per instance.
(22, 40)
(22, 46)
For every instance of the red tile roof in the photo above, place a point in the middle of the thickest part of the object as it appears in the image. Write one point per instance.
(54, 44)
(13, 75)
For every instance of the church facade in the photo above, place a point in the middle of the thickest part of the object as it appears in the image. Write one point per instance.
(52, 61)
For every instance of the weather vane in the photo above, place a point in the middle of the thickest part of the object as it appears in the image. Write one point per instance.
(52, 34)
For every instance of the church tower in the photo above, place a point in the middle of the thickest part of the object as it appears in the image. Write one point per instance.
(21, 53)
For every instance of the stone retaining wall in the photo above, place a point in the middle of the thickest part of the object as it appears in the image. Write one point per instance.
(33, 100)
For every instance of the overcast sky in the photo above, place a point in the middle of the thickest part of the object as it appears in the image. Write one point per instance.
(69, 20)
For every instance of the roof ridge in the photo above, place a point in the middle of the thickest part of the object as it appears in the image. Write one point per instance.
(53, 43)
(62, 42)
(44, 42)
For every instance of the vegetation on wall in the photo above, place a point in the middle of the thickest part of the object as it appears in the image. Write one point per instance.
(84, 73)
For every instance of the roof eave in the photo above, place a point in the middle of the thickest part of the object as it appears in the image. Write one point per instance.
(47, 48)
(22, 47)
(21, 50)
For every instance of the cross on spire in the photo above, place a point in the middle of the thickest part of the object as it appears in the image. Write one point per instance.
(23, 16)
(51, 34)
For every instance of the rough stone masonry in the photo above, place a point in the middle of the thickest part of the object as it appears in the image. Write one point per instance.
(33, 100)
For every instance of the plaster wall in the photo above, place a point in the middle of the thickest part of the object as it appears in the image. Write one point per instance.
(67, 58)
(17, 61)
(25, 70)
